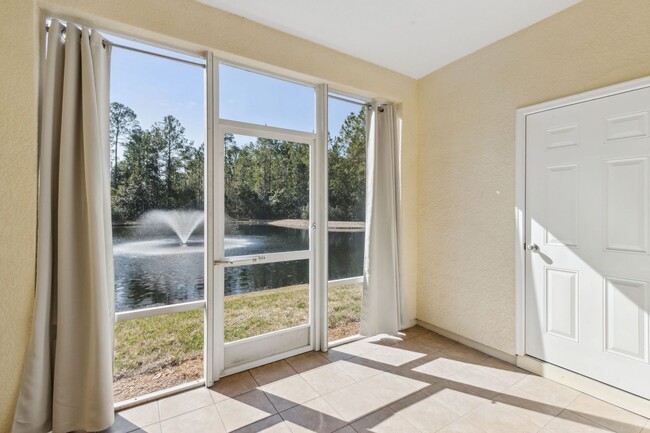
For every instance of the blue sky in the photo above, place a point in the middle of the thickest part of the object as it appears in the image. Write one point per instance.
(155, 87)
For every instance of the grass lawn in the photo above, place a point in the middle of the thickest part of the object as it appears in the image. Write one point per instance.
(146, 346)
(153, 343)
(256, 313)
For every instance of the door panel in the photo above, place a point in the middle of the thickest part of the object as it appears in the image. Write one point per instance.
(562, 205)
(562, 303)
(245, 354)
(626, 317)
(587, 286)
(626, 205)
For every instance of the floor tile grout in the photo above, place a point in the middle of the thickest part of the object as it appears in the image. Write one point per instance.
(281, 360)
(482, 382)
(589, 419)
(181, 414)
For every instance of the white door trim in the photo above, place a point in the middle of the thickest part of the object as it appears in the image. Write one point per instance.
(320, 218)
(214, 190)
(520, 189)
(222, 363)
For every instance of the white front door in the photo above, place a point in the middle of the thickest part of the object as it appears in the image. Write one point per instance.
(587, 230)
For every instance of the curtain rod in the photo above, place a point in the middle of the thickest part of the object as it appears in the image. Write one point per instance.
(202, 65)
(106, 42)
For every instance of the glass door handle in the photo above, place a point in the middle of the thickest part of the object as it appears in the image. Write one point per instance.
(238, 260)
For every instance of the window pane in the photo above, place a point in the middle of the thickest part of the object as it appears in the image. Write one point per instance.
(156, 353)
(266, 195)
(346, 188)
(152, 268)
(343, 311)
(157, 159)
(345, 254)
(266, 297)
(346, 154)
(255, 98)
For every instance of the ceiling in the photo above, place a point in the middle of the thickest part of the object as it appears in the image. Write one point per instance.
(413, 37)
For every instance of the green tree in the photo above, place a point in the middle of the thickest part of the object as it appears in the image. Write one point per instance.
(190, 180)
(347, 170)
(264, 178)
(123, 121)
(171, 136)
(142, 187)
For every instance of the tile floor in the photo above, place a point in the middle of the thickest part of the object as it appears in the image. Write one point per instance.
(422, 382)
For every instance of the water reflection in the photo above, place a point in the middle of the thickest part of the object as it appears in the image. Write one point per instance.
(151, 268)
(265, 239)
(252, 278)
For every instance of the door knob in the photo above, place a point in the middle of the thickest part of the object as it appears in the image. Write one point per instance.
(532, 247)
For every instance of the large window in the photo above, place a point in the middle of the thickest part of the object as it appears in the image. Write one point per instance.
(269, 175)
(157, 172)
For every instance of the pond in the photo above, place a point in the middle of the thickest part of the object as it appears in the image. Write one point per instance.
(151, 268)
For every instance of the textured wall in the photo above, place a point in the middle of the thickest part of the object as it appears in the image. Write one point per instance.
(18, 89)
(183, 23)
(467, 154)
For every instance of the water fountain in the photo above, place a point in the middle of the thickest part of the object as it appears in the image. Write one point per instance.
(183, 222)
(151, 236)
(161, 233)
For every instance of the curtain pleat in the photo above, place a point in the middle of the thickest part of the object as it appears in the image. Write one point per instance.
(67, 377)
(384, 308)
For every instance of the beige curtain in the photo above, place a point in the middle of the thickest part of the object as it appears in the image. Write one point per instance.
(67, 376)
(384, 308)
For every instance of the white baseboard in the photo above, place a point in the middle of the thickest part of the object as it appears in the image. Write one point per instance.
(594, 388)
(581, 383)
(512, 359)
(411, 323)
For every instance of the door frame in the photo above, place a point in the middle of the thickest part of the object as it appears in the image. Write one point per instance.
(520, 189)
(270, 341)
(214, 333)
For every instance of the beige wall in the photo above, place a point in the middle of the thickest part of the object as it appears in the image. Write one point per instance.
(174, 23)
(17, 191)
(467, 154)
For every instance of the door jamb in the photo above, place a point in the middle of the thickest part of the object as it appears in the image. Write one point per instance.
(520, 189)
(320, 219)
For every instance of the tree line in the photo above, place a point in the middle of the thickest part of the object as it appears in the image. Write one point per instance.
(265, 179)
(158, 168)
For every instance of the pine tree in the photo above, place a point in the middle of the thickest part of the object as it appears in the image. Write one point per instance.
(123, 121)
